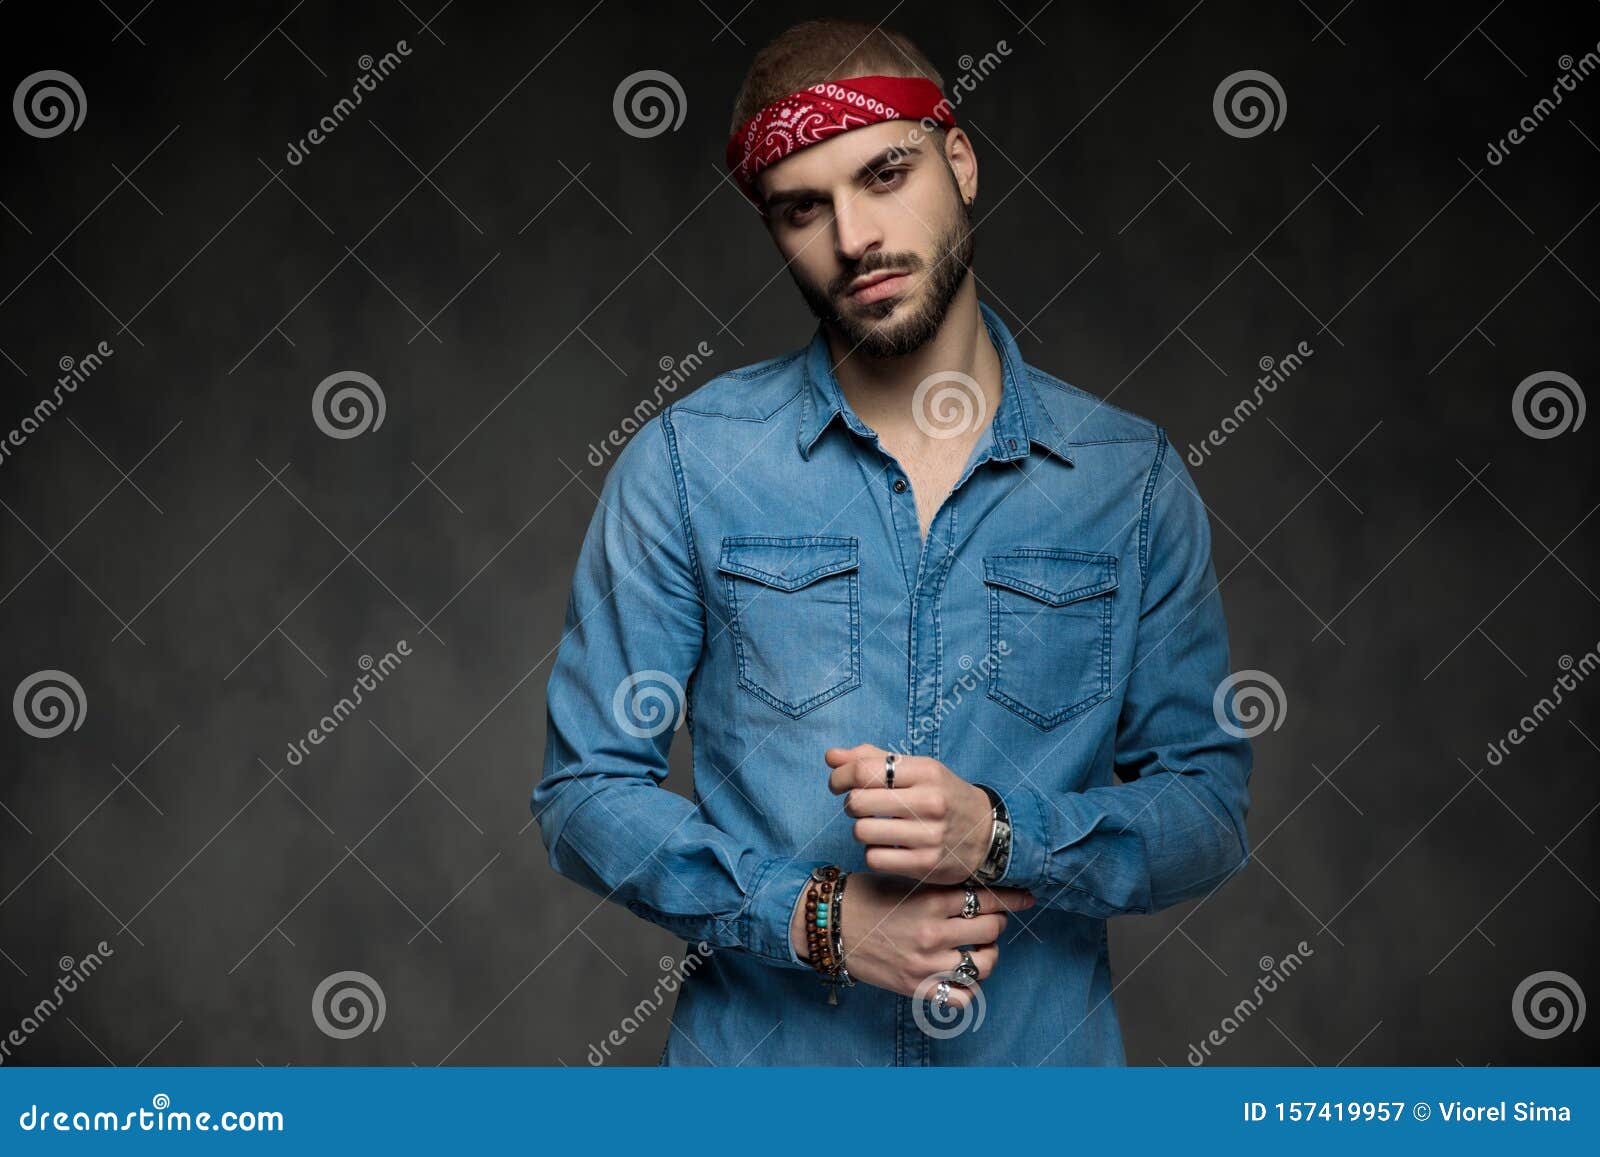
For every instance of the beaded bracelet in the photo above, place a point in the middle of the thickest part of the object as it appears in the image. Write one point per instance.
(822, 926)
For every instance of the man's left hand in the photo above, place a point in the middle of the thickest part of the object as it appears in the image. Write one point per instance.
(932, 825)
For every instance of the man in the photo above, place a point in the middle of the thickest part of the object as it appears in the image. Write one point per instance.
(900, 545)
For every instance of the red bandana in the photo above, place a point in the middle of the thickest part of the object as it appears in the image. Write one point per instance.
(814, 114)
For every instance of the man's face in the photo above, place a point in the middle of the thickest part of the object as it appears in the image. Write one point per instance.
(878, 239)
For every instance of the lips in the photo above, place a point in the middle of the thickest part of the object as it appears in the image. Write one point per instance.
(879, 285)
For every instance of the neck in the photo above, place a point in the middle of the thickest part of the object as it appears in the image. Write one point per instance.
(881, 390)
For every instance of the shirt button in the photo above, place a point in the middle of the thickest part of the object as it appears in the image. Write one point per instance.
(899, 485)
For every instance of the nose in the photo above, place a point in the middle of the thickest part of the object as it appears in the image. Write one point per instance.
(856, 231)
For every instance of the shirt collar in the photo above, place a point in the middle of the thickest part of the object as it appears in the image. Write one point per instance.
(1020, 421)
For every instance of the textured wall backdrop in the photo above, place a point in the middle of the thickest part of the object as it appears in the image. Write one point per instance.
(199, 557)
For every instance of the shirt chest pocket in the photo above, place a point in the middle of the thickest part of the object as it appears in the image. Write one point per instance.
(794, 608)
(1050, 631)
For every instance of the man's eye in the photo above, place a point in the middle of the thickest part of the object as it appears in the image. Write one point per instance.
(796, 211)
(888, 178)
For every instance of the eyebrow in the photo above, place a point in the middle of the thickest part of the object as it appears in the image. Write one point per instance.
(888, 156)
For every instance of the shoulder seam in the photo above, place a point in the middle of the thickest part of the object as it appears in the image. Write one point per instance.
(1144, 512)
(682, 494)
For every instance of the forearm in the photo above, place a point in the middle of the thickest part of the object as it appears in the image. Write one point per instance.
(1129, 848)
(639, 845)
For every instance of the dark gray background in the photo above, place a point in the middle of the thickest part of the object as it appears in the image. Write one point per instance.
(185, 542)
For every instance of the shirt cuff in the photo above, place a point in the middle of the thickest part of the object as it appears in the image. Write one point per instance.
(770, 908)
(1030, 829)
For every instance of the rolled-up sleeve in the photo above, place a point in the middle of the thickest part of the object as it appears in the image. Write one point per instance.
(1175, 827)
(634, 629)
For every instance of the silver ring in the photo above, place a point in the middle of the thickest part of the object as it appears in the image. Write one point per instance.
(943, 995)
(968, 969)
(888, 768)
(969, 906)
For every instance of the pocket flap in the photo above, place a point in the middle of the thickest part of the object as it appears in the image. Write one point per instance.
(1051, 574)
(788, 563)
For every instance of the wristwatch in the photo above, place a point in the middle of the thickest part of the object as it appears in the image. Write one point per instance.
(995, 863)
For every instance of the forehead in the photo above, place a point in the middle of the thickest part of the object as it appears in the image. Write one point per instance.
(836, 159)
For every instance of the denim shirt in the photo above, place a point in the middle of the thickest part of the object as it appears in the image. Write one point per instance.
(755, 570)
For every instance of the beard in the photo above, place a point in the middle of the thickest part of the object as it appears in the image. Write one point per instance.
(935, 283)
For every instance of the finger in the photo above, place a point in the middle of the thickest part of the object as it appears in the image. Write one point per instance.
(989, 899)
(892, 833)
(913, 863)
(979, 930)
(984, 958)
(853, 766)
(834, 756)
(871, 771)
(888, 802)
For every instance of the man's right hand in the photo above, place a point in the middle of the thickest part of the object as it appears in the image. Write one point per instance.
(898, 932)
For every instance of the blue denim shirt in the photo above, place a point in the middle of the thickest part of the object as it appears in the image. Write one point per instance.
(753, 570)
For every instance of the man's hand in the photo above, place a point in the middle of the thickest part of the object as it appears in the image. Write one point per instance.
(898, 935)
(932, 825)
